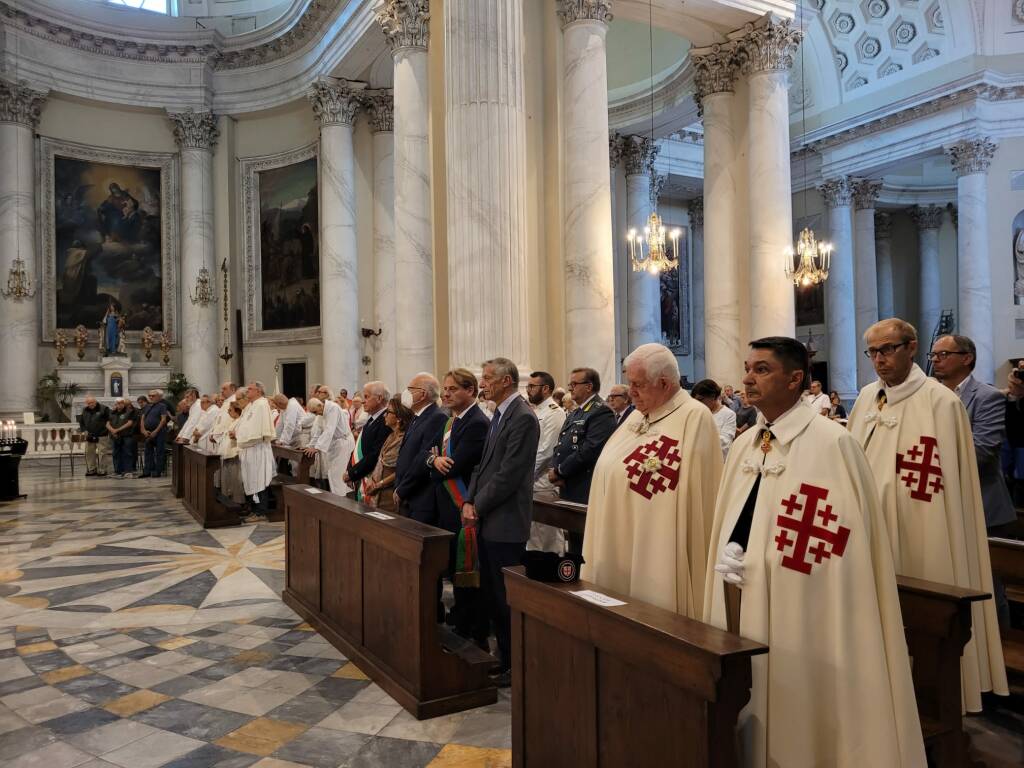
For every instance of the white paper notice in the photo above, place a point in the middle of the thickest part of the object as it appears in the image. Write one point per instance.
(597, 598)
(311, 489)
(379, 515)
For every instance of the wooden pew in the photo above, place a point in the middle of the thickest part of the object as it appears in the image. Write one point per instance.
(198, 492)
(1007, 557)
(627, 685)
(305, 463)
(937, 625)
(176, 469)
(369, 585)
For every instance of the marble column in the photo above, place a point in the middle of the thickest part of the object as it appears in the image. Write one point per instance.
(928, 221)
(971, 160)
(696, 208)
(840, 313)
(405, 24)
(196, 134)
(883, 261)
(485, 123)
(588, 250)
(335, 102)
(380, 112)
(19, 325)
(643, 295)
(865, 272)
(765, 51)
(715, 70)
(620, 259)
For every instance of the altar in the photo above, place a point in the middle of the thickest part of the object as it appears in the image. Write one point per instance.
(111, 378)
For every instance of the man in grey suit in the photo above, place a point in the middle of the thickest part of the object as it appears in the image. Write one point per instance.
(953, 358)
(500, 497)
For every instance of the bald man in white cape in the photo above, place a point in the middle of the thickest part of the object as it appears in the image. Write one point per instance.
(253, 434)
(334, 444)
(797, 524)
(653, 492)
(921, 451)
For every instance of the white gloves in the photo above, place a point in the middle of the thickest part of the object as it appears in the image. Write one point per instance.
(730, 563)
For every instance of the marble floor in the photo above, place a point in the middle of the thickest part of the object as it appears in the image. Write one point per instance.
(131, 637)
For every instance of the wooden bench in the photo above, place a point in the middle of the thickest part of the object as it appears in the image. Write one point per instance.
(632, 685)
(199, 495)
(177, 476)
(369, 585)
(1007, 557)
(567, 515)
(305, 463)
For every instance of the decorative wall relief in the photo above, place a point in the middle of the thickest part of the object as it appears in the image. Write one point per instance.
(109, 233)
(282, 246)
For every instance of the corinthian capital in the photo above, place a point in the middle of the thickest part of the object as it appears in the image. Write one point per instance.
(837, 192)
(405, 23)
(194, 130)
(639, 153)
(20, 104)
(380, 109)
(335, 101)
(865, 193)
(972, 156)
(715, 70)
(767, 45)
(615, 143)
(928, 217)
(584, 10)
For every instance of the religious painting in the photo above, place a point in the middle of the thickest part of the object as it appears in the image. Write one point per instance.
(282, 226)
(675, 298)
(107, 238)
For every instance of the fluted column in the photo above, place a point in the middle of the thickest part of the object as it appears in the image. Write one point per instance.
(335, 102)
(589, 274)
(405, 25)
(765, 52)
(196, 134)
(19, 325)
(643, 307)
(865, 273)
(883, 260)
(971, 160)
(381, 114)
(928, 221)
(715, 71)
(485, 121)
(696, 208)
(840, 315)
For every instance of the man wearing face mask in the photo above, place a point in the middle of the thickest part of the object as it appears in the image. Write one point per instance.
(414, 490)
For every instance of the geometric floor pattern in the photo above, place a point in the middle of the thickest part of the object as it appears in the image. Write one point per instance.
(131, 637)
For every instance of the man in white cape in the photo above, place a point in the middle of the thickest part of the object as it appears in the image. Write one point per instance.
(797, 525)
(918, 440)
(204, 424)
(335, 443)
(195, 410)
(653, 493)
(253, 434)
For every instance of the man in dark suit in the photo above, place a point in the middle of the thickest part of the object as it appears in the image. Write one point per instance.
(618, 400)
(457, 453)
(414, 493)
(371, 438)
(500, 498)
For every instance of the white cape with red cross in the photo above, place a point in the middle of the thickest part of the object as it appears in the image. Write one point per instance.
(927, 476)
(819, 589)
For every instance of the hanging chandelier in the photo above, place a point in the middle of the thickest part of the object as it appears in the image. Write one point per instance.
(203, 294)
(808, 264)
(649, 250)
(19, 284)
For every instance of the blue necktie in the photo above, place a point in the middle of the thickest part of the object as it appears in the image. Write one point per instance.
(494, 426)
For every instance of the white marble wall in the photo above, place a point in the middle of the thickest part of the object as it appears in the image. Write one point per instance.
(865, 272)
(643, 289)
(589, 289)
(696, 209)
(385, 363)
(883, 261)
(840, 313)
(485, 122)
(19, 327)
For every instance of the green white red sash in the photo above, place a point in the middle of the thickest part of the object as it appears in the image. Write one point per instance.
(357, 456)
(454, 485)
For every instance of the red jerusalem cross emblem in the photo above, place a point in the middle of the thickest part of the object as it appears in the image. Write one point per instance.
(654, 467)
(798, 529)
(919, 469)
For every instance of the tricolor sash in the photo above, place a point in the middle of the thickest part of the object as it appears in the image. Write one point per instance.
(454, 485)
(357, 456)
(467, 571)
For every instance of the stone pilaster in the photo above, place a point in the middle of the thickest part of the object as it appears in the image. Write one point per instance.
(380, 113)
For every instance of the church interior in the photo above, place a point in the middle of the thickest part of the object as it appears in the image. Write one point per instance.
(310, 195)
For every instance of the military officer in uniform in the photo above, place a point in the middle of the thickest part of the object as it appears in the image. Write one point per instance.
(583, 435)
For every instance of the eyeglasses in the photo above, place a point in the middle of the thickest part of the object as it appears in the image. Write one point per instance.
(943, 354)
(573, 384)
(885, 350)
(534, 386)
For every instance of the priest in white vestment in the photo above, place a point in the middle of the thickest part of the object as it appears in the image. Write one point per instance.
(204, 424)
(194, 412)
(918, 440)
(288, 424)
(653, 493)
(798, 526)
(229, 477)
(253, 435)
(334, 444)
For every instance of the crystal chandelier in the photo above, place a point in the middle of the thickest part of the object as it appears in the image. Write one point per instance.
(19, 284)
(203, 295)
(809, 263)
(649, 250)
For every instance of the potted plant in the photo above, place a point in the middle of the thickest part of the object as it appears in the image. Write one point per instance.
(55, 398)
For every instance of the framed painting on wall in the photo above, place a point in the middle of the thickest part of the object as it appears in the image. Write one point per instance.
(282, 246)
(675, 297)
(108, 230)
